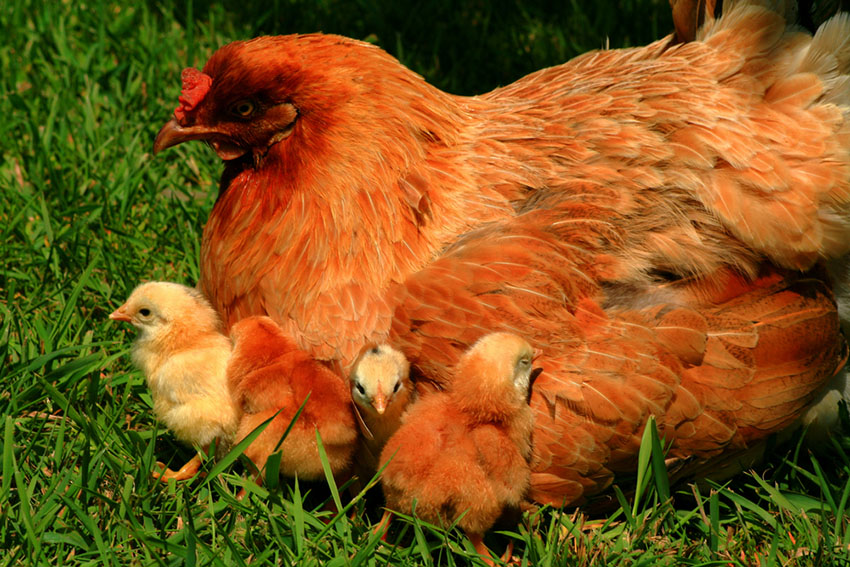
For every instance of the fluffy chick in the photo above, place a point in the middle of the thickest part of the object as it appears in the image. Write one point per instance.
(269, 375)
(381, 390)
(183, 354)
(466, 450)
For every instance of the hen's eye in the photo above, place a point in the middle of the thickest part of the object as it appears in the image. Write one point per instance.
(243, 109)
(145, 312)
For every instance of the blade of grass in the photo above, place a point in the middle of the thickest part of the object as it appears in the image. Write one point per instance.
(8, 460)
(644, 455)
(714, 521)
(298, 518)
(234, 453)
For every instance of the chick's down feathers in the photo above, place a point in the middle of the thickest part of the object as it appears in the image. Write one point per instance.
(269, 376)
(183, 354)
(652, 219)
(466, 450)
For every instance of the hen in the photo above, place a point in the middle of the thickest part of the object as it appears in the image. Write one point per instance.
(653, 219)
(462, 455)
(183, 354)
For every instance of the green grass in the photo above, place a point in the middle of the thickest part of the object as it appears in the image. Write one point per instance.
(87, 212)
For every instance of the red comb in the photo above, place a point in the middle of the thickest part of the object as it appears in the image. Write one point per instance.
(196, 85)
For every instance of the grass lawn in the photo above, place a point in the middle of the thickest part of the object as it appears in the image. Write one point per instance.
(87, 212)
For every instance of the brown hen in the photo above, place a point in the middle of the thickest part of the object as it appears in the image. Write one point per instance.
(651, 218)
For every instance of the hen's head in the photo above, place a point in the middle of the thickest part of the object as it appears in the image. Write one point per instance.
(159, 309)
(494, 377)
(253, 95)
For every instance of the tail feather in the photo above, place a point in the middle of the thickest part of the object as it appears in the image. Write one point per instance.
(800, 131)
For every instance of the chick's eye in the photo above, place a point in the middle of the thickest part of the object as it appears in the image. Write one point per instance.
(397, 387)
(361, 390)
(243, 108)
(145, 312)
(524, 361)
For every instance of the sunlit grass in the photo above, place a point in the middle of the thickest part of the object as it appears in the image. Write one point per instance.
(87, 212)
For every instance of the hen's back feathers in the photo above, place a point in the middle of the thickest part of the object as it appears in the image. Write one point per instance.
(746, 131)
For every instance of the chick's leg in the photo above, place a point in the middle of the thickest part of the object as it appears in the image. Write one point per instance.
(384, 525)
(478, 543)
(185, 472)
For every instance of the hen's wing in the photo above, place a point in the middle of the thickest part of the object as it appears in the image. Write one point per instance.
(720, 363)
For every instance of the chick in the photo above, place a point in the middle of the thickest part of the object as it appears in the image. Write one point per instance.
(269, 375)
(465, 451)
(183, 354)
(381, 390)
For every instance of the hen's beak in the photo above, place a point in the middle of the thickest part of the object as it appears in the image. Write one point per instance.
(173, 133)
(120, 315)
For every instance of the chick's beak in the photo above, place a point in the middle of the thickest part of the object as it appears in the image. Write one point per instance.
(380, 403)
(533, 376)
(120, 315)
(531, 379)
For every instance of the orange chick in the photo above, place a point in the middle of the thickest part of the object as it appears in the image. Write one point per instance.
(381, 390)
(462, 455)
(183, 354)
(269, 375)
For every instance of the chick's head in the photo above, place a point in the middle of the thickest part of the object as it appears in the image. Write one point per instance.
(380, 379)
(157, 307)
(494, 377)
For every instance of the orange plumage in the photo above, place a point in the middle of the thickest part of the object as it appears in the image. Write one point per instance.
(652, 219)
(267, 375)
(462, 455)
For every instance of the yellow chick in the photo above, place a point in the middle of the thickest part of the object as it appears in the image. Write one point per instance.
(184, 355)
(381, 390)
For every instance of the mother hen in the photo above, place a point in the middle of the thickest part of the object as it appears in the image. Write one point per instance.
(651, 219)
